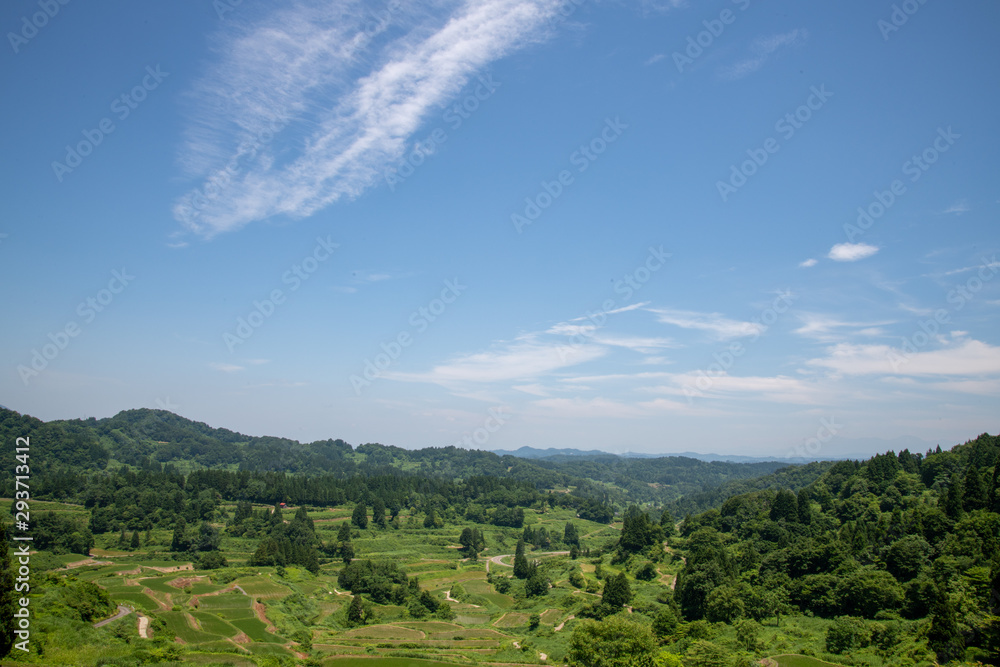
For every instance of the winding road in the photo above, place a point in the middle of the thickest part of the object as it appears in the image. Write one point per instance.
(122, 612)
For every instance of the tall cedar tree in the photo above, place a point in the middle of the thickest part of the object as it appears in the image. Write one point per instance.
(944, 637)
(356, 612)
(974, 493)
(179, 541)
(360, 516)
(378, 512)
(617, 592)
(570, 536)
(521, 568)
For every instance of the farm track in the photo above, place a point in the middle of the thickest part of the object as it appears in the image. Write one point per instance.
(122, 612)
(261, 610)
(499, 559)
(560, 626)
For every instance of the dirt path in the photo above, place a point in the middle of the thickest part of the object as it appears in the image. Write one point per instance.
(85, 563)
(499, 559)
(143, 626)
(193, 622)
(261, 609)
(122, 612)
(560, 626)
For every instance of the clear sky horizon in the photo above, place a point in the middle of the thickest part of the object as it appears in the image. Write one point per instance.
(657, 226)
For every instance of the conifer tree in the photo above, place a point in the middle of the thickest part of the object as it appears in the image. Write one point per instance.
(617, 591)
(944, 637)
(974, 492)
(521, 568)
(378, 513)
(360, 516)
(356, 612)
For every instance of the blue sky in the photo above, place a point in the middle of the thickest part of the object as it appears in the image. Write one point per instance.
(654, 226)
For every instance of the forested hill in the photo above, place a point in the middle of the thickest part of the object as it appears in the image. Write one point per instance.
(157, 440)
(903, 550)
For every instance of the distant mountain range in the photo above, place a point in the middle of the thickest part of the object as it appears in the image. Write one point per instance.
(834, 450)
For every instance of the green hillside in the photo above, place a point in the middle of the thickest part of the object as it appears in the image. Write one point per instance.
(443, 556)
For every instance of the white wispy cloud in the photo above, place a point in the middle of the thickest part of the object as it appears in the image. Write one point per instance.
(827, 328)
(959, 207)
(655, 59)
(521, 360)
(851, 252)
(721, 327)
(762, 49)
(344, 97)
(808, 263)
(225, 368)
(968, 358)
(965, 269)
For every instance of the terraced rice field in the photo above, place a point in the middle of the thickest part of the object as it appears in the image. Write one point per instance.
(256, 630)
(512, 619)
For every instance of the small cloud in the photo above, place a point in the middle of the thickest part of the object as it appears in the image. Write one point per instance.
(655, 59)
(176, 246)
(808, 263)
(959, 334)
(225, 368)
(533, 389)
(344, 290)
(851, 252)
(762, 48)
(662, 6)
(377, 277)
(258, 362)
(959, 207)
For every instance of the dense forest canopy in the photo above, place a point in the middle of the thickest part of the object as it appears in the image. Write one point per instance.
(157, 440)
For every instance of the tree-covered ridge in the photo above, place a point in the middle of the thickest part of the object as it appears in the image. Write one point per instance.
(903, 550)
(157, 440)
